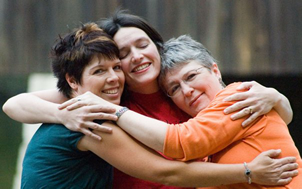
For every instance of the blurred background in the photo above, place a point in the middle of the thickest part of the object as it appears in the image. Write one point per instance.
(257, 40)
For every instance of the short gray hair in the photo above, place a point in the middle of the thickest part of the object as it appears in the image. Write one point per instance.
(182, 50)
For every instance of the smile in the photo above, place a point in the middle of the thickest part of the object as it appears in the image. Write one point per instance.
(194, 100)
(111, 91)
(141, 67)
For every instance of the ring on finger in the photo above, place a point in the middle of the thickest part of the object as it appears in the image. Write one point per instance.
(248, 111)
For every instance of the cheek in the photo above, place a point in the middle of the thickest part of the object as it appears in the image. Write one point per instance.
(125, 65)
(122, 79)
(180, 103)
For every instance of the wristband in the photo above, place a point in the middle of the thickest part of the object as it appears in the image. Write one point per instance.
(247, 173)
(120, 112)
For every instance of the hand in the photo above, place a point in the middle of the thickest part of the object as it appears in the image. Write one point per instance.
(86, 99)
(257, 101)
(80, 115)
(268, 171)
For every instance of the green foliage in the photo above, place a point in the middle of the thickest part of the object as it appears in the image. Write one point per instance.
(11, 131)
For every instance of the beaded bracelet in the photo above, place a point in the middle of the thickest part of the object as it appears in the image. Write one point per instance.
(120, 112)
(247, 173)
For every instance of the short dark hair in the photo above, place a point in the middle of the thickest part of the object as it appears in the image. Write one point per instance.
(73, 52)
(122, 18)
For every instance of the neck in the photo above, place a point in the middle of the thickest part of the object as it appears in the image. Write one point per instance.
(146, 88)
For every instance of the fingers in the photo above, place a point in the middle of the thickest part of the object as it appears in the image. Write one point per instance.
(284, 181)
(237, 106)
(101, 108)
(75, 105)
(91, 134)
(68, 103)
(95, 126)
(289, 170)
(236, 97)
(275, 153)
(246, 85)
(286, 177)
(251, 119)
(104, 129)
(287, 160)
(101, 116)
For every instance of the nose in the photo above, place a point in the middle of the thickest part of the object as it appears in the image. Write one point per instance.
(136, 55)
(186, 89)
(112, 76)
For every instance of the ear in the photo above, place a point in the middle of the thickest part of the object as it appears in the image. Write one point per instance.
(72, 82)
(216, 70)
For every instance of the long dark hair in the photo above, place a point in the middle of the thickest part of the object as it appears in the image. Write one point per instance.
(122, 18)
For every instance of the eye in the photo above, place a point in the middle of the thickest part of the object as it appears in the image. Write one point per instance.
(143, 45)
(99, 71)
(117, 68)
(173, 90)
(191, 76)
(123, 54)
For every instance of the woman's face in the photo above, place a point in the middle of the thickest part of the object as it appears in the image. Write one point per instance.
(140, 59)
(192, 87)
(104, 78)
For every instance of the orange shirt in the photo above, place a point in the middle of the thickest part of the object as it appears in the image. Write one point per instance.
(212, 132)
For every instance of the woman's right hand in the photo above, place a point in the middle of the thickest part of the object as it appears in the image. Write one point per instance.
(269, 171)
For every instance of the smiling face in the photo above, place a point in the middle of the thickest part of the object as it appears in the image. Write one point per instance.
(140, 59)
(193, 85)
(104, 78)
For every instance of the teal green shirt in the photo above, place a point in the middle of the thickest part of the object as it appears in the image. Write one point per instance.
(52, 160)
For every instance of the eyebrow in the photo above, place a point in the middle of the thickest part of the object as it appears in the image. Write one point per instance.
(182, 78)
(143, 38)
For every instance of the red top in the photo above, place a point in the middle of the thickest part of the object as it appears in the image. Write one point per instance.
(158, 106)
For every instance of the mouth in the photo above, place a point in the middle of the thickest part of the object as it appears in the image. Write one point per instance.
(195, 99)
(141, 67)
(111, 91)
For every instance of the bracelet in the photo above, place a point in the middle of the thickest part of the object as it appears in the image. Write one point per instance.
(120, 112)
(247, 173)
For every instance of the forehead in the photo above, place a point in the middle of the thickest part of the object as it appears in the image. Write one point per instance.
(128, 35)
(102, 60)
(179, 71)
(183, 68)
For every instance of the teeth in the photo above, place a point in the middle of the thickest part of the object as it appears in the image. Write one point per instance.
(141, 67)
(111, 91)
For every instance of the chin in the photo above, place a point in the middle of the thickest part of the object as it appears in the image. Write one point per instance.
(117, 102)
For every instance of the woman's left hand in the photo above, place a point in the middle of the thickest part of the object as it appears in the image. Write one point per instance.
(257, 101)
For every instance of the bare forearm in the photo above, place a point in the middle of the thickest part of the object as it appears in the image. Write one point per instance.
(28, 108)
(284, 109)
(136, 160)
(149, 131)
(197, 174)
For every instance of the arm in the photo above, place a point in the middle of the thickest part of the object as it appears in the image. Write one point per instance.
(153, 133)
(34, 107)
(261, 100)
(42, 107)
(124, 153)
